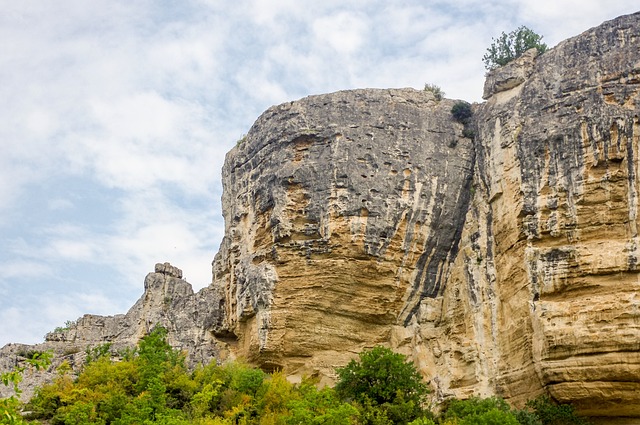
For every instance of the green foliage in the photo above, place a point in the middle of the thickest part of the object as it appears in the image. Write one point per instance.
(241, 141)
(321, 407)
(495, 411)
(488, 411)
(67, 325)
(463, 113)
(422, 421)
(436, 90)
(526, 417)
(10, 407)
(153, 386)
(550, 413)
(510, 46)
(385, 385)
(97, 352)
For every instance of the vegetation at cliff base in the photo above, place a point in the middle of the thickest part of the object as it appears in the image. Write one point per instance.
(10, 406)
(385, 387)
(508, 47)
(152, 385)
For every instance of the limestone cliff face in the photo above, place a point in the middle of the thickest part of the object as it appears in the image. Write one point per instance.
(505, 266)
(343, 212)
(558, 164)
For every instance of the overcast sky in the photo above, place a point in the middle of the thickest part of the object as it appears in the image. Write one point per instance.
(115, 117)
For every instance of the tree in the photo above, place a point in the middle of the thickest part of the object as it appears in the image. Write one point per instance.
(384, 384)
(510, 46)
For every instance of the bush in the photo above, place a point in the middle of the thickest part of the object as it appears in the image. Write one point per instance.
(477, 411)
(550, 413)
(461, 112)
(436, 90)
(510, 46)
(385, 385)
(319, 407)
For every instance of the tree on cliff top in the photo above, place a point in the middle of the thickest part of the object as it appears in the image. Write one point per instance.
(510, 46)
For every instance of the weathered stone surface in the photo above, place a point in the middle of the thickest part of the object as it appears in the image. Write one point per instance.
(342, 211)
(541, 293)
(558, 164)
(510, 76)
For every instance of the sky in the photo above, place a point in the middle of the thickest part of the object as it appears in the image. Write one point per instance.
(116, 115)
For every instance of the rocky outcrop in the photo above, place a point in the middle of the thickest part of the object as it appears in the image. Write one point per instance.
(168, 301)
(506, 264)
(343, 212)
(360, 218)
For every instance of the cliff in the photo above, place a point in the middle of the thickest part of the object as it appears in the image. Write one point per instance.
(504, 264)
(558, 167)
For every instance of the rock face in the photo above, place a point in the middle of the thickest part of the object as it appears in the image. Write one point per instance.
(506, 264)
(558, 164)
(343, 212)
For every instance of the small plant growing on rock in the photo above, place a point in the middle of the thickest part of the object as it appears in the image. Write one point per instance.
(241, 141)
(462, 113)
(436, 90)
(67, 325)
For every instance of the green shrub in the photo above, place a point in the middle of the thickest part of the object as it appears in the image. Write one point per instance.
(550, 413)
(436, 90)
(321, 407)
(97, 352)
(67, 325)
(510, 46)
(461, 112)
(487, 411)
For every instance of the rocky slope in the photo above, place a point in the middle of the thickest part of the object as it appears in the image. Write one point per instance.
(506, 264)
(168, 300)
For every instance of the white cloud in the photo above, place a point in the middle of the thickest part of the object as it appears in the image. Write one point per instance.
(344, 32)
(24, 269)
